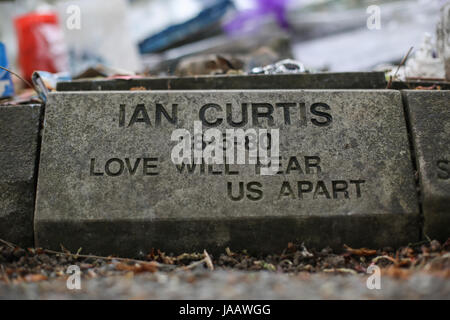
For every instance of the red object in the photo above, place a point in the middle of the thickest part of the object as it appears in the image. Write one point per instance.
(41, 43)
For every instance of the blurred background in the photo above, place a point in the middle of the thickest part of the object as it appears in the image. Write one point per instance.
(91, 38)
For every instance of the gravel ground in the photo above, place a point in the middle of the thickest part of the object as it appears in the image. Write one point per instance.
(228, 284)
(417, 271)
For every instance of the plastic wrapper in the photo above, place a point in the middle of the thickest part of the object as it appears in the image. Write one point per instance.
(203, 25)
(281, 67)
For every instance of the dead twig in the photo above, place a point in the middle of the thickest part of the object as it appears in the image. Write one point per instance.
(18, 76)
(398, 68)
(192, 265)
(206, 260)
(87, 256)
(90, 256)
(9, 244)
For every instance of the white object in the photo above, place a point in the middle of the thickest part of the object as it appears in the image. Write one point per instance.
(424, 64)
(97, 31)
(283, 67)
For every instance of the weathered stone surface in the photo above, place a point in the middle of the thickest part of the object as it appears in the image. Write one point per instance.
(19, 136)
(413, 84)
(429, 116)
(361, 137)
(325, 80)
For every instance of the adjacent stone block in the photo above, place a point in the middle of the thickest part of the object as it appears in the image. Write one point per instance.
(324, 80)
(107, 182)
(429, 116)
(19, 136)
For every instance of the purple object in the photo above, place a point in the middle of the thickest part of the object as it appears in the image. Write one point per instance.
(263, 8)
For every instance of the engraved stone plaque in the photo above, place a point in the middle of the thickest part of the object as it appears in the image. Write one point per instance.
(108, 183)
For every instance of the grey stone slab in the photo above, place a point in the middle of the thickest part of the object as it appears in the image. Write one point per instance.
(358, 138)
(424, 84)
(325, 80)
(19, 138)
(429, 116)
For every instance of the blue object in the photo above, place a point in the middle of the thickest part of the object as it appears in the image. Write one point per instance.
(6, 85)
(205, 19)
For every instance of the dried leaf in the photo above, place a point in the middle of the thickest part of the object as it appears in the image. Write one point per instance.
(291, 246)
(208, 261)
(341, 270)
(229, 252)
(138, 267)
(305, 252)
(35, 277)
(376, 259)
(360, 252)
(395, 272)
